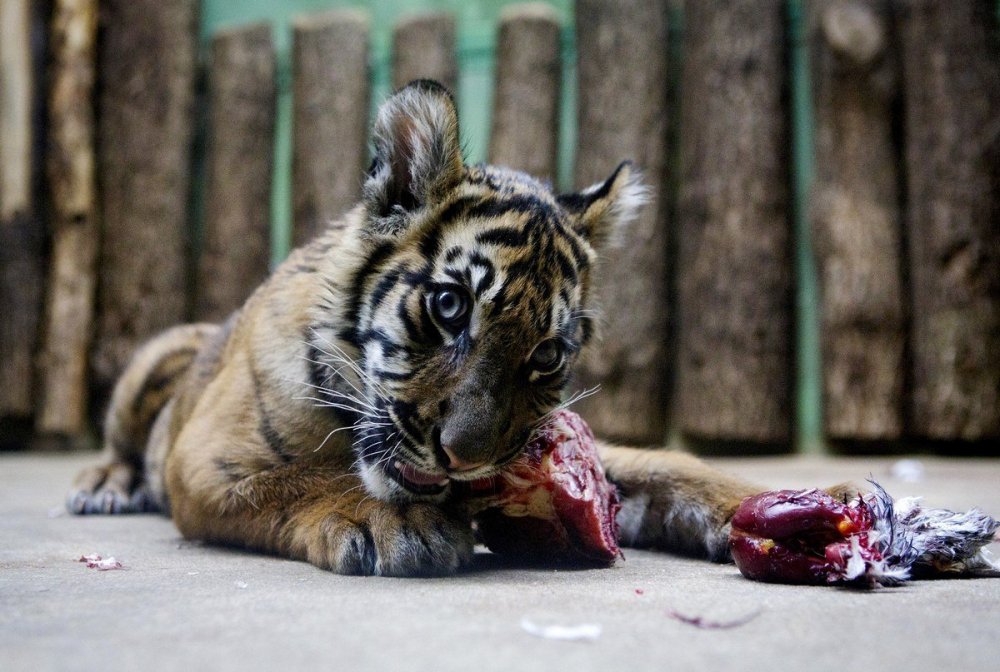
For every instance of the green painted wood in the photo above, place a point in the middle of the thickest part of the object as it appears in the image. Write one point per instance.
(477, 23)
(808, 381)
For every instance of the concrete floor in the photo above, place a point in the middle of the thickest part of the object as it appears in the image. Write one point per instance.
(185, 606)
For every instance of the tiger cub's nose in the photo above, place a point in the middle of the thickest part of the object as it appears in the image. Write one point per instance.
(455, 463)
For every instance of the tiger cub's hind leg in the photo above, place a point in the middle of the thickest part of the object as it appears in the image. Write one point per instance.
(139, 400)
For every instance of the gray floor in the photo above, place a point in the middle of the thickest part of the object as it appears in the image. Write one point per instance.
(184, 606)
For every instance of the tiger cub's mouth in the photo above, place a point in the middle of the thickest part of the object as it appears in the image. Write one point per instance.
(415, 480)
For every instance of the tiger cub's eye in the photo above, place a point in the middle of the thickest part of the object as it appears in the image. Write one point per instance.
(450, 305)
(547, 356)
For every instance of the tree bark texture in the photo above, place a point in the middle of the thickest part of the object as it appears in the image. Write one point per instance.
(236, 250)
(423, 47)
(525, 128)
(622, 49)
(331, 104)
(21, 236)
(146, 64)
(951, 69)
(855, 218)
(735, 336)
(71, 169)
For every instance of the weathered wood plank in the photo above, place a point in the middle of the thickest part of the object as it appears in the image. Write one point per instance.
(525, 127)
(330, 112)
(423, 47)
(146, 66)
(236, 248)
(735, 335)
(622, 51)
(21, 272)
(951, 69)
(69, 315)
(856, 219)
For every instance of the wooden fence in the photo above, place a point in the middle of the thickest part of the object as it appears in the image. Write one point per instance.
(699, 335)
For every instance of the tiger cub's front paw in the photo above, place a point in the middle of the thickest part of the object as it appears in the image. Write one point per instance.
(397, 540)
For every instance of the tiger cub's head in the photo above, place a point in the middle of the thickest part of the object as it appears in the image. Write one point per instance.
(471, 304)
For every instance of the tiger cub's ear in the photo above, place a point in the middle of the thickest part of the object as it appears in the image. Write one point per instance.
(600, 210)
(417, 153)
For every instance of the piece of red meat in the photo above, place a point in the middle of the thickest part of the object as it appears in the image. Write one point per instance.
(807, 536)
(798, 536)
(555, 503)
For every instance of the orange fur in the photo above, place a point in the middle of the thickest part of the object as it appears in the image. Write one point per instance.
(291, 428)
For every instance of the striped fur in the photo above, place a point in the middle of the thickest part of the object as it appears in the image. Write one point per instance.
(329, 417)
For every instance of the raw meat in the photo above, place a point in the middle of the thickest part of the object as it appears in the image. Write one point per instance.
(555, 503)
(807, 536)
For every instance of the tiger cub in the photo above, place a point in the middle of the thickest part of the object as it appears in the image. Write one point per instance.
(415, 343)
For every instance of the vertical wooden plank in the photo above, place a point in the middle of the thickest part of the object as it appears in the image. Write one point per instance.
(855, 218)
(71, 169)
(622, 52)
(735, 335)
(951, 69)
(146, 65)
(423, 47)
(525, 128)
(241, 90)
(21, 274)
(330, 117)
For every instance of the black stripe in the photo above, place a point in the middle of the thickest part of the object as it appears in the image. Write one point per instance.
(319, 374)
(456, 209)
(389, 346)
(457, 275)
(392, 375)
(412, 331)
(368, 557)
(504, 236)
(158, 380)
(275, 442)
(431, 242)
(579, 256)
(477, 259)
(374, 260)
(587, 329)
(567, 268)
(500, 300)
(488, 277)
(417, 279)
(495, 207)
(428, 328)
(273, 439)
(383, 287)
(484, 283)
(406, 412)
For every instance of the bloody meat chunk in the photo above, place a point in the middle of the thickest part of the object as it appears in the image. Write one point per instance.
(807, 536)
(555, 503)
(787, 535)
